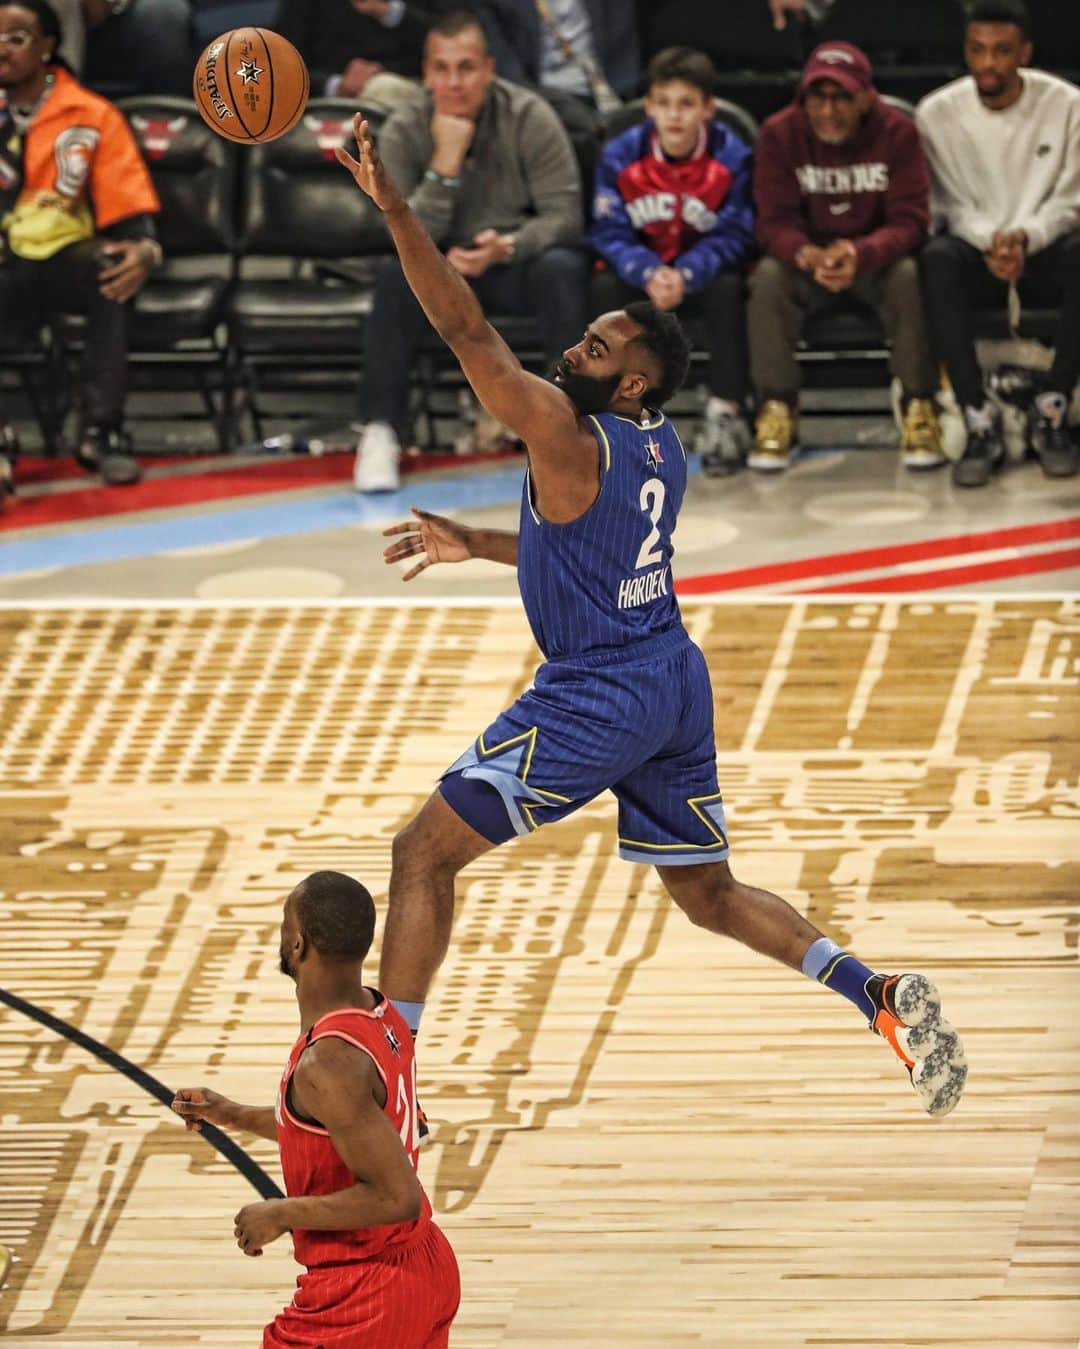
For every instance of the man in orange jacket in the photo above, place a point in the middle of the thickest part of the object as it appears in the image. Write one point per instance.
(76, 226)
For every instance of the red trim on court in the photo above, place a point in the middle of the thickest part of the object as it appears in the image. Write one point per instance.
(868, 559)
(947, 577)
(293, 473)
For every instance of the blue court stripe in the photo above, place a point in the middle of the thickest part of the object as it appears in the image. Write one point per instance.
(287, 514)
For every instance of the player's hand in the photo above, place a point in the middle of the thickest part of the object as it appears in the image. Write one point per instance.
(837, 266)
(356, 75)
(368, 171)
(131, 262)
(196, 1104)
(257, 1225)
(666, 288)
(433, 538)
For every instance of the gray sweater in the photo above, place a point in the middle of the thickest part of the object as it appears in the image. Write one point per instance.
(520, 176)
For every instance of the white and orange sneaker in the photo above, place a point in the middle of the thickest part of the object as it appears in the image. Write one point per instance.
(909, 1016)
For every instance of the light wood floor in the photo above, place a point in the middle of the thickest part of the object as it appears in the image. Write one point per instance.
(643, 1136)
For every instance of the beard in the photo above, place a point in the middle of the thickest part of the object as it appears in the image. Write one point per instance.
(283, 965)
(588, 393)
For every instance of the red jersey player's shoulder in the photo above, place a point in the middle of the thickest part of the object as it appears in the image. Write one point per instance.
(334, 1075)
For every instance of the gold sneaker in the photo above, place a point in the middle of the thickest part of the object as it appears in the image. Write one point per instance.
(920, 436)
(774, 437)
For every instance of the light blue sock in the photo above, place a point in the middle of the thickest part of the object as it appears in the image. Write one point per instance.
(838, 969)
(411, 1013)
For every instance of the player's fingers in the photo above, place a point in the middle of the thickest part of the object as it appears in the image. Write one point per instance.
(343, 157)
(402, 527)
(415, 571)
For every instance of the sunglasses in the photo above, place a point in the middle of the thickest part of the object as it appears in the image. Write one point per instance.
(17, 39)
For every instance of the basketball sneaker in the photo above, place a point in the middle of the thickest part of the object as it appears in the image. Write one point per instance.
(909, 1016)
(774, 437)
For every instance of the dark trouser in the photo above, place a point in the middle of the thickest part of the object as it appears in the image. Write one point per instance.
(780, 296)
(722, 306)
(149, 49)
(550, 287)
(32, 293)
(957, 283)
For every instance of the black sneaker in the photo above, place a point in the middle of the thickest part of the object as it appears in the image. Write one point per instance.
(722, 442)
(983, 455)
(1052, 441)
(107, 451)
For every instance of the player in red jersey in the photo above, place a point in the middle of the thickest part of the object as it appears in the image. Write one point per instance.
(380, 1273)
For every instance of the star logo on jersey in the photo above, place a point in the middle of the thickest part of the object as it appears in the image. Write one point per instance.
(249, 72)
(392, 1040)
(652, 453)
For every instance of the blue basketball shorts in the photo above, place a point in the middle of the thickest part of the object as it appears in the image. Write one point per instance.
(641, 726)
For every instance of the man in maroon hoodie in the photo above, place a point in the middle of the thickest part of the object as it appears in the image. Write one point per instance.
(842, 195)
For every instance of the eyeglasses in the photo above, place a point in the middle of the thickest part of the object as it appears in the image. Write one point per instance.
(17, 39)
(840, 97)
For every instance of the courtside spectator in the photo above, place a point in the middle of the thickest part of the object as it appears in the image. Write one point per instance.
(587, 48)
(673, 219)
(841, 190)
(77, 207)
(372, 48)
(488, 168)
(139, 46)
(1004, 150)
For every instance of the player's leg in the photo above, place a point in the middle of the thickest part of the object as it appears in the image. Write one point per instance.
(426, 857)
(671, 814)
(540, 760)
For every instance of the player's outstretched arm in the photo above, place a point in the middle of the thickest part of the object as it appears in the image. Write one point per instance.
(195, 1105)
(434, 538)
(532, 408)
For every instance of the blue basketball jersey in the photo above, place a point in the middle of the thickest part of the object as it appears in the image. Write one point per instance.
(604, 581)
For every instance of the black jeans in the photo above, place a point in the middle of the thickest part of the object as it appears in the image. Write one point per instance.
(550, 287)
(957, 282)
(31, 293)
(722, 308)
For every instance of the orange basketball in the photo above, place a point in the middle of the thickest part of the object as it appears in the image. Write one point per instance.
(251, 85)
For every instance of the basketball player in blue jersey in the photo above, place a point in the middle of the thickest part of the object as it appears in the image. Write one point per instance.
(623, 699)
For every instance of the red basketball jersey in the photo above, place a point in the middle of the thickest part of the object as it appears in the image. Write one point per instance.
(309, 1161)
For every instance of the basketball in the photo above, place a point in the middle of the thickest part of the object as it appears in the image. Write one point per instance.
(251, 85)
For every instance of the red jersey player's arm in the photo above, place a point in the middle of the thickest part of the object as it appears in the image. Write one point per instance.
(195, 1104)
(563, 451)
(338, 1085)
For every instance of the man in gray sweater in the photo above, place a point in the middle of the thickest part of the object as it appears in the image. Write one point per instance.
(489, 169)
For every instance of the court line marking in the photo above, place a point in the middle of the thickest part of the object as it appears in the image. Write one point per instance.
(693, 603)
(231, 1151)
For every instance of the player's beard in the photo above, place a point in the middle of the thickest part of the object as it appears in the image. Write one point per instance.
(588, 393)
(283, 964)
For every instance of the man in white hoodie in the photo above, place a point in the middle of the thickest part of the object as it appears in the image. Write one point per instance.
(1003, 146)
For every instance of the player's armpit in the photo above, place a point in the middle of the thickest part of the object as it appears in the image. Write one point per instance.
(338, 1085)
(563, 453)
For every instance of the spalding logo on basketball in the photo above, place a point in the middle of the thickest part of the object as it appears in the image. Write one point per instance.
(251, 85)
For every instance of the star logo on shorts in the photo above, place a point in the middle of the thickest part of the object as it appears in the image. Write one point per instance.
(652, 453)
(249, 72)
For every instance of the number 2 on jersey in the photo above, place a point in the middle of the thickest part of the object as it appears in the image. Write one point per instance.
(406, 1103)
(652, 503)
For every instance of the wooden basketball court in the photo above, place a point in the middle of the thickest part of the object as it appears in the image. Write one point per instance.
(643, 1136)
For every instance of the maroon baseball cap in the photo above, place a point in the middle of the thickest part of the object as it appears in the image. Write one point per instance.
(842, 62)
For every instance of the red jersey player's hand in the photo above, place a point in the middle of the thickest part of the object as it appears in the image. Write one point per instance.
(195, 1104)
(257, 1225)
(433, 537)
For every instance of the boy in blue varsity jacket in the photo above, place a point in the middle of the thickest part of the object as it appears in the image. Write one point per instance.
(673, 219)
